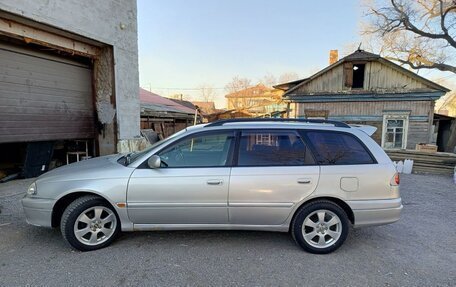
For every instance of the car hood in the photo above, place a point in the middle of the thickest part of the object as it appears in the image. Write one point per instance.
(99, 167)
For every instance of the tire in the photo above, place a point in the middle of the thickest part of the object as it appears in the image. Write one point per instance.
(89, 223)
(325, 229)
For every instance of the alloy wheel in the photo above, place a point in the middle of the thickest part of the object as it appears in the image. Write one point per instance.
(95, 225)
(321, 228)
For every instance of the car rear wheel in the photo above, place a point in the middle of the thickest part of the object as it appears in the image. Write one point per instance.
(320, 227)
(89, 223)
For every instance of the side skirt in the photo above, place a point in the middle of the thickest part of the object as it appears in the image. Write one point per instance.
(158, 227)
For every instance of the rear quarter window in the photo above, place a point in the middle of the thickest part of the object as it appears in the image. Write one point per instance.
(338, 148)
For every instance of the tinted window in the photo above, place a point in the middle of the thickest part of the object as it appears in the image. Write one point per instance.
(272, 148)
(199, 151)
(338, 148)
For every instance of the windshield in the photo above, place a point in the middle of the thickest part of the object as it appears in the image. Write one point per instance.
(135, 155)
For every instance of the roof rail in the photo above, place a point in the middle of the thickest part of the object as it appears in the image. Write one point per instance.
(243, 120)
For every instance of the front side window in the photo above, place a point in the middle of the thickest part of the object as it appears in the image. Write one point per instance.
(272, 148)
(203, 150)
(136, 155)
(335, 148)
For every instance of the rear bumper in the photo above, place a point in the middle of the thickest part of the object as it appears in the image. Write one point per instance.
(376, 212)
(38, 211)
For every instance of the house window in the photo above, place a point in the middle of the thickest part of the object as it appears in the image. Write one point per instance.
(395, 131)
(358, 76)
(354, 75)
(264, 139)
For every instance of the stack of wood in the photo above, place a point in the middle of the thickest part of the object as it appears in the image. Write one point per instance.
(425, 162)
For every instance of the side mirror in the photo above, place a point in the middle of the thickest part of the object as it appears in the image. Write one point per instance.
(154, 161)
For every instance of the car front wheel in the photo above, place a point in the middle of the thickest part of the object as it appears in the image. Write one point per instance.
(320, 227)
(89, 223)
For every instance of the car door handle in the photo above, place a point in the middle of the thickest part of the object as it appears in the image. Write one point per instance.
(304, 180)
(214, 182)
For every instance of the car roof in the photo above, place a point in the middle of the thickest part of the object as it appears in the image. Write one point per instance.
(252, 124)
(277, 120)
(273, 124)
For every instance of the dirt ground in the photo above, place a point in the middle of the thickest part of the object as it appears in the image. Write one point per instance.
(419, 250)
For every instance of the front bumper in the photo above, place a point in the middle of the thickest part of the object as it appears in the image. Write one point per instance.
(38, 211)
(375, 212)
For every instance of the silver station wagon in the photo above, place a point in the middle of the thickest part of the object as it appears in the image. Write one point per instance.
(312, 178)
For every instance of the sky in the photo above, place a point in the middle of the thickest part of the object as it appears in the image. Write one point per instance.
(187, 44)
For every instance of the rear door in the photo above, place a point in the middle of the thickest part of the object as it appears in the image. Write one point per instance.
(348, 169)
(274, 170)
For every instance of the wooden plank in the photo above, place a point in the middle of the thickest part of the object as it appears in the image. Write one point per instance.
(48, 39)
(348, 75)
(437, 163)
(370, 108)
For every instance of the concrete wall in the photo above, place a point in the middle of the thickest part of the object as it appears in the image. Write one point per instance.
(112, 22)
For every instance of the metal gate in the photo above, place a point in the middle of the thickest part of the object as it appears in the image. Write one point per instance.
(43, 97)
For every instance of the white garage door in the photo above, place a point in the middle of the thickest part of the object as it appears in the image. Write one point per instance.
(43, 97)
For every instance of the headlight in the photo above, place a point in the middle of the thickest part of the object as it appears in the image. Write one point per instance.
(32, 189)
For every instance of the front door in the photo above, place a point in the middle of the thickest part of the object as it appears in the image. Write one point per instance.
(274, 171)
(191, 186)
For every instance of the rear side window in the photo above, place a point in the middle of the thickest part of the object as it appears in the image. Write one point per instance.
(273, 148)
(338, 148)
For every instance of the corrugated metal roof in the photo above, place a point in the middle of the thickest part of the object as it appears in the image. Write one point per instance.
(160, 108)
(155, 101)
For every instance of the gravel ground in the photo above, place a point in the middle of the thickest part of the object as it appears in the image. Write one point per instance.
(419, 250)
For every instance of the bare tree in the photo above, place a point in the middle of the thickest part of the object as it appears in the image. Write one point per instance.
(237, 84)
(446, 103)
(288, 77)
(269, 80)
(349, 48)
(243, 99)
(417, 33)
(207, 92)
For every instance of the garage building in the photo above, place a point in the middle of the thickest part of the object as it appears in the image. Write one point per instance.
(68, 82)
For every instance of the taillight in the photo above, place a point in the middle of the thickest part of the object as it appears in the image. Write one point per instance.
(395, 180)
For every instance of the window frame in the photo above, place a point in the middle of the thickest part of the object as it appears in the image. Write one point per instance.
(363, 75)
(348, 75)
(315, 152)
(263, 131)
(229, 162)
(396, 116)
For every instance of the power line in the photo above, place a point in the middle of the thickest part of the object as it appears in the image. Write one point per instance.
(178, 88)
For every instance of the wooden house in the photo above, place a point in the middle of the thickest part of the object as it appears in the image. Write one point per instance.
(257, 101)
(365, 88)
(165, 116)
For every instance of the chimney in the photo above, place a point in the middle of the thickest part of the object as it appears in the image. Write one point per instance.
(333, 56)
